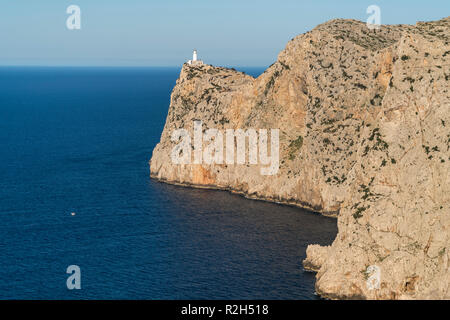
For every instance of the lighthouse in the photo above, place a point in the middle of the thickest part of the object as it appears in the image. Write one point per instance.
(195, 61)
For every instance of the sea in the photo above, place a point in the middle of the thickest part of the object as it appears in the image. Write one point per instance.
(75, 190)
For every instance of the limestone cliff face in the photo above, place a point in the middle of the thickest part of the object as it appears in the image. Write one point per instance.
(364, 134)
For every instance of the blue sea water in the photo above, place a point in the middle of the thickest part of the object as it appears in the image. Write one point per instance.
(79, 140)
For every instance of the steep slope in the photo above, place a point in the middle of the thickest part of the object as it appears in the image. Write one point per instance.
(396, 215)
(364, 123)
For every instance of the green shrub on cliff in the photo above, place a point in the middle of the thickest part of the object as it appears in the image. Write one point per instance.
(294, 146)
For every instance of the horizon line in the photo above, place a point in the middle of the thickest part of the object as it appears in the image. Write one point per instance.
(121, 66)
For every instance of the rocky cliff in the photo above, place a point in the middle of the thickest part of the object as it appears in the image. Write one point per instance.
(363, 118)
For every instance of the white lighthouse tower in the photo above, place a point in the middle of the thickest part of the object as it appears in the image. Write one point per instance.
(195, 61)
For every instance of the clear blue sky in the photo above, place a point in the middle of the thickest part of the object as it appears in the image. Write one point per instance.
(163, 33)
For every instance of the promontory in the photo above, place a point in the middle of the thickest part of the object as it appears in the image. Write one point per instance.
(364, 135)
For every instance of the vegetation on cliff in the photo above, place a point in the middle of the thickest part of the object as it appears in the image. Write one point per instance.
(363, 118)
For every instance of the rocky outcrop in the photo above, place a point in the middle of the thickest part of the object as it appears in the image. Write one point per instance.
(315, 257)
(364, 124)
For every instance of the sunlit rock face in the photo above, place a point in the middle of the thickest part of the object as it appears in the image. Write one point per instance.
(363, 118)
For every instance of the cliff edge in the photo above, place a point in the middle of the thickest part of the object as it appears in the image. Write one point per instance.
(363, 118)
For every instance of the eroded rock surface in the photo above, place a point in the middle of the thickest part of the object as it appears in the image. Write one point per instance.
(364, 134)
